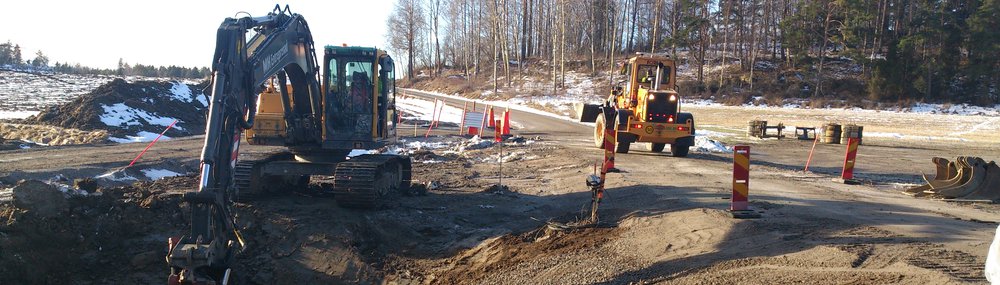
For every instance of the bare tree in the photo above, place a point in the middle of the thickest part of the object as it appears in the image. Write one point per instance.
(404, 27)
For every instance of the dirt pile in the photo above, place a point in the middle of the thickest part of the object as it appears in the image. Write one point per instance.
(115, 237)
(127, 109)
(51, 135)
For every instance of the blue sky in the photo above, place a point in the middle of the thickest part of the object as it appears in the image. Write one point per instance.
(174, 32)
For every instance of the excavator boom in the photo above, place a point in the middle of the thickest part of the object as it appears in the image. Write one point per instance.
(282, 46)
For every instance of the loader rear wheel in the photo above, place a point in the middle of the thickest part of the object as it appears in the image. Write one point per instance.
(657, 147)
(680, 147)
(599, 131)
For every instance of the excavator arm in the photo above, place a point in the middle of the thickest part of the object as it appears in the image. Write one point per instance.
(282, 46)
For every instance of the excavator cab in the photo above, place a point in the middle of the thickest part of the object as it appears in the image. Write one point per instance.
(358, 102)
(360, 93)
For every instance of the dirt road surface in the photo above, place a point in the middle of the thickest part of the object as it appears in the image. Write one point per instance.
(664, 219)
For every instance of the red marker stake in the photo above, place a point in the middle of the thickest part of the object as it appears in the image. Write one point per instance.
(151, 144)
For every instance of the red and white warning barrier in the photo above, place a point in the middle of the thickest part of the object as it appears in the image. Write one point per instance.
(739, 205)
(741, 178)
(847, 175)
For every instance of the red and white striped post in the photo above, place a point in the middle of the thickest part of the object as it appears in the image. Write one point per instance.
(483, 125)
(610, 140)
(741, 178)
(497, 137)
(461, 126)
(847, 175)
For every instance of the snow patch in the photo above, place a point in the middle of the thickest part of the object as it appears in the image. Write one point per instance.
(424, 110)
(156, 174)
(142, 136)
(704, 144)
(357, 152)
(17, 114)
(181, 92)
(122, 115)
(117, 175)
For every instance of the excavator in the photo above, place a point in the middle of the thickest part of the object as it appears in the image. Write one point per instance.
(319, 115)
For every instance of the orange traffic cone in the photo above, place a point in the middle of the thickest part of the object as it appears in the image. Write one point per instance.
(492, 122)
(506, 122)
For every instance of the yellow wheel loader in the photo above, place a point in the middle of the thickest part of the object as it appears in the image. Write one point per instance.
(645, 106)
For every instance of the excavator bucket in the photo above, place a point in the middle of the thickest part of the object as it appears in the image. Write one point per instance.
(965, 179)
(943, 172)
(943, 168)
(990, 188)
(962, 175)
(974, 175)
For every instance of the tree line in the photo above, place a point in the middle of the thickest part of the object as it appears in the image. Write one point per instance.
(944, 50)
(10, 55)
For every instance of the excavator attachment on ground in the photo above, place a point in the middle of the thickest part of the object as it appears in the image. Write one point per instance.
(965, 179)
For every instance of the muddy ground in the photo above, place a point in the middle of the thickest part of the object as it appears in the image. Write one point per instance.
(664, 220)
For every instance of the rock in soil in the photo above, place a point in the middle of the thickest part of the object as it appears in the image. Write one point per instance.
(86, 184)
(36, 196)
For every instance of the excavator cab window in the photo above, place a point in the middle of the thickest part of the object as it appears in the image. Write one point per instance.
(333, 84)
(351, 90)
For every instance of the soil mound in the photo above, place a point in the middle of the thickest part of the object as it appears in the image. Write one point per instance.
(135, 109)
(116, 237)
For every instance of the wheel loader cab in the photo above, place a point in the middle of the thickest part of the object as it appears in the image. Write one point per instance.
(359, 95)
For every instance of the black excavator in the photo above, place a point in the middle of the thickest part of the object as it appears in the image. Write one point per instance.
(319, 118)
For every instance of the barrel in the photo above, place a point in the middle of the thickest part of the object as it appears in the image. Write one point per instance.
(755, 128)
(831, 134)
(850, 131)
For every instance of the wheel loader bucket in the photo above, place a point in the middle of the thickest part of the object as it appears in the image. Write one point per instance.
(943, 169)
(961, 175)
(990, 188)
(588, 112)
(942, 172)
(974, 175)
(968, 179)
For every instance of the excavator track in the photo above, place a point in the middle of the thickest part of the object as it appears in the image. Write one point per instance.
(247, 180)
(364, 181)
